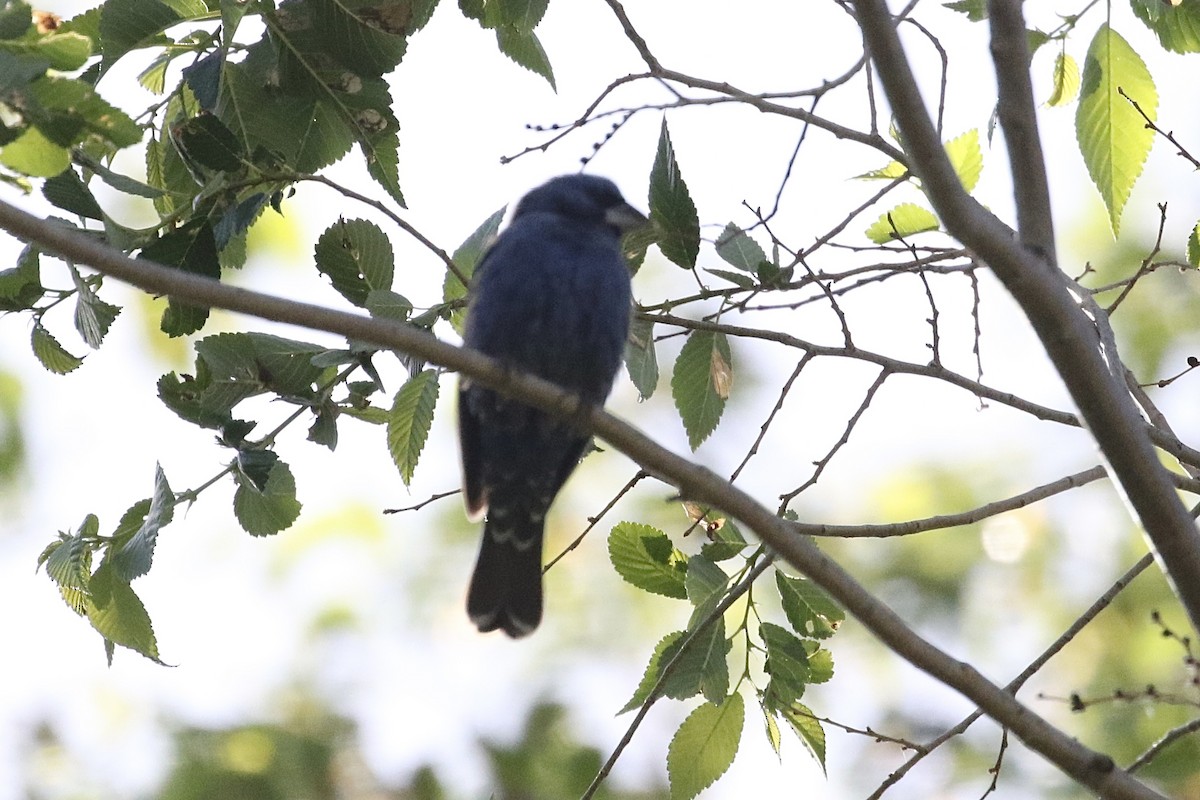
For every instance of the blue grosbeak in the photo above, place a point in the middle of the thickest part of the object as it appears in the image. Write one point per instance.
(550, 297)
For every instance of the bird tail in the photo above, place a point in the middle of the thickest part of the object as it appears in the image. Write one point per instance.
(506, 589)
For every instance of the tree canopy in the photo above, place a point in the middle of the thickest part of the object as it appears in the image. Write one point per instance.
(895, 280)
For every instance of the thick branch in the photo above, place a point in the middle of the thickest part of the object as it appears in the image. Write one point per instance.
(1043, 292)
(694, 482)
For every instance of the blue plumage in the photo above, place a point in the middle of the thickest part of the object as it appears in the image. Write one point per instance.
(550, 297)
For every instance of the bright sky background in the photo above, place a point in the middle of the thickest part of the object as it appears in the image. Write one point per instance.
(236, 615)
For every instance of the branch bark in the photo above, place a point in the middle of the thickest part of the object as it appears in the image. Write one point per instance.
(695, 482)
(1026, 267)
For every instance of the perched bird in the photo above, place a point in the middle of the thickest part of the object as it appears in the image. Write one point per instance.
(550, 297)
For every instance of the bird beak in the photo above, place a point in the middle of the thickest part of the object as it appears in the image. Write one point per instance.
(625, 218)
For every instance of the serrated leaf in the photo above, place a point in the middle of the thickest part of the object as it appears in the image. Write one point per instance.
(1175, 22)
(808, 728)
(701, 382)
(409, 421)
(192, 248)
(966, 158)
(21, 286)
(69, 564)
(663, 652)
(34, 155)
(672, 213)
(703, 580)
(891, 172)
(976, 10)
(93, 316)
(117, 613)
(773, 734)
(736, 248)
(645, 557)
(386, 304)
(323, 430)
(725, 538)
(787, 664)
(53, 355)
(67, 191)
(138, 530)
(467, 258)
(1066, 81)
(704, 746)
(275, 508)
(736, 278)
(820, 662)
(1193, 246)
(129, 24)
(205, 140)
(1112, 135)
(524, 48)
(810, 611)
(901, 222)
(382, 153)
(641, 361)
(357, 257)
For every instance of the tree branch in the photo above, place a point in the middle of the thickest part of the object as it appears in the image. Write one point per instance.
(1044, 294)
(695, 482)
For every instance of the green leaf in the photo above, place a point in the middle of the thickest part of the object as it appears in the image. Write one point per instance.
(117, 613)
(737, 249)
(69, 111)
(21, 286)
(34, 155)
(1193, 247)
(324, 430)
(271, 510)
(901, 222)
(386, 304)
(1112, 135)
(736, 278)
(68, 192)
(650, 676)
(890, 172)
(645, 557)
(704, 580)
(808, 728)
(66, 52)
(672, 212)
(966, 158)
(192, 248)
(382, 153)
(820, 662)
(410, 419)
(1175, 22)
(524, 48)
(68, 562)
(136, 535)
(53, 356)
(810, 611)
(467, 258)
(976, 10)
(709, 652)
(1066, 80)
(787, 664)
(357, 257)
(206, 141)
(704, 746)
(129, 24)
(93, 316)
(772, 730)
(701, 383)
(725, 539)
(641, 361)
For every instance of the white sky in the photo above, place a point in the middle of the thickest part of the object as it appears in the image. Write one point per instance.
(236, 614)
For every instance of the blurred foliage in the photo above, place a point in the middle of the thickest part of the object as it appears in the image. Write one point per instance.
(315, 755)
